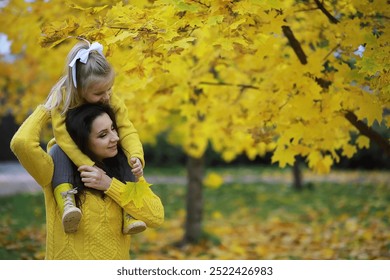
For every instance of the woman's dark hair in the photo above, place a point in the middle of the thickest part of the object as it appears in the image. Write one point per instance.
(79, 123)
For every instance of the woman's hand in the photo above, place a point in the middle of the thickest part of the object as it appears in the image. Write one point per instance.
(94, 177)
(137, 168)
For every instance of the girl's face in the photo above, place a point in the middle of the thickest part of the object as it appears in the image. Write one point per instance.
(98, 92)
(103, 139)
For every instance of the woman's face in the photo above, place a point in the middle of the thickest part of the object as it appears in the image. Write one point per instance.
(103, 139)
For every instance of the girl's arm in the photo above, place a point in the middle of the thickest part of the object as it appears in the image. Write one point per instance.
(66, 143)
(129, 137)
(25, 145)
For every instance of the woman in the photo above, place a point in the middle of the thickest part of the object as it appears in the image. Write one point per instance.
(99, 235)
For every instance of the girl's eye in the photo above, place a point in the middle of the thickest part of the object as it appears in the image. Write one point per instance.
(102, 135)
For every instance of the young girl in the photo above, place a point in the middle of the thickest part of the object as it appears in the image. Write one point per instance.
(88, 79)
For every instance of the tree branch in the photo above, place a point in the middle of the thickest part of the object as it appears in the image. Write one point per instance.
(369, 132)
(229, 84)
(331, 18)
(294, 44)
(331, 51)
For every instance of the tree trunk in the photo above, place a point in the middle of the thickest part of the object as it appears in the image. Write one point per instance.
(297, 176)
(193, 225)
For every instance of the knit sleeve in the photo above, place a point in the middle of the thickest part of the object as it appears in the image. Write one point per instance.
(25, 144)
(137, 199)
(129, 138)
(66, 143)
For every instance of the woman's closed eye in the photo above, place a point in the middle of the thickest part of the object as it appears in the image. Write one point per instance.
(105, 133)
(102, 135)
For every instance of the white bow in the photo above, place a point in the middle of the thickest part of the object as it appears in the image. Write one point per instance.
(83, 55)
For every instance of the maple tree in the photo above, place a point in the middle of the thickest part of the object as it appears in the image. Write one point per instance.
(293, 77)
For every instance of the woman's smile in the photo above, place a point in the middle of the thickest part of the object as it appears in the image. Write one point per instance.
(115, 147)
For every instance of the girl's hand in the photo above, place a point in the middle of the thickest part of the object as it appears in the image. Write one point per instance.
(137, 168)
(94, 177)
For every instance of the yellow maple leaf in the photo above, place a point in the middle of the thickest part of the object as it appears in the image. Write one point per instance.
(215, 20)
(122, 36)
(313, 158)
(217, 215)
(88, 10)
(228, 155)
(135, 192)
(369, 108)
(57, 31)
(348, 150)
(284, 156)
(262, 148)
(213, 180)
(363, 142)
(323, 165)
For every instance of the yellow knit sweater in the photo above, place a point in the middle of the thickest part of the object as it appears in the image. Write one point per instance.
(100, 231)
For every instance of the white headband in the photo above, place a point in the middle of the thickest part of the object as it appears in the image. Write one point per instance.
(83, 55)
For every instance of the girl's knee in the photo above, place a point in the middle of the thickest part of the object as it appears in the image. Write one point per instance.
(56, 152)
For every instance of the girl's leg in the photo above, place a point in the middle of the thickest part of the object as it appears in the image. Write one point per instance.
(130, 224)
(63, 182)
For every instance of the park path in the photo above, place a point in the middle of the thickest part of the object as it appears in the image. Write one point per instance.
(14, 178)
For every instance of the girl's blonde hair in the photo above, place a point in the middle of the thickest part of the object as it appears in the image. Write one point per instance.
(64, 95)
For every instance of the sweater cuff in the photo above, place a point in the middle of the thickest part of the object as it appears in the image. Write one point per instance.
(42, 113)
(114, 191)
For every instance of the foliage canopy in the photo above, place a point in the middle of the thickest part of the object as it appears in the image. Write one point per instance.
(247, 76)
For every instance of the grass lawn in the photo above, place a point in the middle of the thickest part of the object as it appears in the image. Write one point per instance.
(254, 220)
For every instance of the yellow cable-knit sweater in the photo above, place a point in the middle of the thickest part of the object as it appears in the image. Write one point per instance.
(100, 231)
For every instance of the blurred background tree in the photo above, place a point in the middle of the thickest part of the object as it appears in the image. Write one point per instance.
(283, 79)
